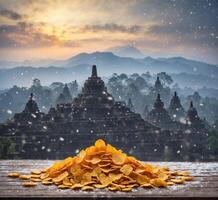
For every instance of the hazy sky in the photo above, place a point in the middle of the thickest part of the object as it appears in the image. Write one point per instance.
(59, 29)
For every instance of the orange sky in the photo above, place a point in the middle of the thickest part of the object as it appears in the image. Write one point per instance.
(58, 29)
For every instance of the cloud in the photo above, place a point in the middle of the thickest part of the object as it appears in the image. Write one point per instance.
(26, 35)
(11, 14)
(185, 34)
(113, 28)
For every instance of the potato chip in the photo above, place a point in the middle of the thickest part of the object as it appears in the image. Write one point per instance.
(142, 179)
(36, 179)
(87, 188)
(170, 183)
(66, 182)
(35, 176)
(77, 186)
(183, 173)
(100, 186)
(104, 179)
(158, 182)
(128, 189)
(115, 177)
(100, 143)
(178, 181)
(14, 175)
(126, 169)
(113, 188)
(81, 156)
(103, 166)
(118, 158)
(163, 176)
(60, 177)
(44, 176)
(36, 171)
(24, 177)
(63, 187)
(95, 160)
(147, 185)
(47, 182)
(29, 184)
(188, 178)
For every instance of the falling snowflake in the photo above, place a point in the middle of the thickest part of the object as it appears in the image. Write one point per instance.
(9, 111)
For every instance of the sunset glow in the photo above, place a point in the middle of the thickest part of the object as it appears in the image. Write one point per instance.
(59, 29)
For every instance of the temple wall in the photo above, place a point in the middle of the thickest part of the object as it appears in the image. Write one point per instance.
(144, 146)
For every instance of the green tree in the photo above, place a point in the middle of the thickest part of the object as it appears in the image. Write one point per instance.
(7, 147)
(213, 139)
(165, 78)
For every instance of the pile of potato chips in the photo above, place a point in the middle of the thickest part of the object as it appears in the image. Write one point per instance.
(103, 166)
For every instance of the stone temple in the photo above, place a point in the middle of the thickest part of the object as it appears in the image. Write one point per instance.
(93, 114)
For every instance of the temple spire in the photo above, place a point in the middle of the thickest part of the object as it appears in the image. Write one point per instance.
(94, 71)
(191, 104)
(175, 109)
(130, 105)
(31, 97)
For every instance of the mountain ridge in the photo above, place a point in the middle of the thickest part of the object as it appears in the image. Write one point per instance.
(78, 67)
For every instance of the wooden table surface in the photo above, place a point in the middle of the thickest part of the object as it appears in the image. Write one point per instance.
(204, 186)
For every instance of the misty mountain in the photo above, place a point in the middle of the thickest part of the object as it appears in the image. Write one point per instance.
(107, 63)
(23, 76)
(180, 65)
(126, 51)
(186, 72)
(33, 63)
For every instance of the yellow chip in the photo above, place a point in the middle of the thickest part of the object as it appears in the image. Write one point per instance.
(104, 165)
(81, 156)
(178, 181)
(163, 176)
(63, 187)
(139, 170)
(35, 179)
(47, 179)
(128, 189)
(113, 188)
(47, 182)
(118, 158)
(29, 184)
(14, 175)
(158, 182)
(36, 171)
(147, 185)
(44, 176)
(24, 177)
(106, 170)
(100, 186)
(95, 160)
(170, 183)
(35, 176)
(76, 186)
(183, 173)
(188, 178)
(66, 182)
(60, 177)
(115, 177)
(126, 169)
(100, 143)
(44, 170)
(104, 180)
(87, 188)
(141, 179)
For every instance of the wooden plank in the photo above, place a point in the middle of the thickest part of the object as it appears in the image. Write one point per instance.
(204, 186)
